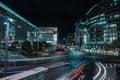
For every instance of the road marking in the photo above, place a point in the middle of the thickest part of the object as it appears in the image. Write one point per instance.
(95, 77)
(111, 66)
(105, 72)
(106, 65)
(82, 77)
(115, 65)
(118, 65)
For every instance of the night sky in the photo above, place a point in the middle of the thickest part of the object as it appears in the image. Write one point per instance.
(52, 13)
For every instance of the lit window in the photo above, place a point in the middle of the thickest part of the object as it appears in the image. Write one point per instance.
(13, 38)
(117, 15)
(103, 22)
(102, 19)
(115, 0)
(115, 3)
(111, 4)
(112, 25)
(111, 17)
(85, 38)
(102, 14)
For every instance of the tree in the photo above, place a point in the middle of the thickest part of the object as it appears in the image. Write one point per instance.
(27, 49)
(41, 46)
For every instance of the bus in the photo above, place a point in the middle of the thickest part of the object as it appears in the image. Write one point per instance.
(39, 73)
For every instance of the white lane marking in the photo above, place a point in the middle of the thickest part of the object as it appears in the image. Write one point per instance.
(82, 77)
(106, 65)
(115, 65)
(111, 66)
(99, 68)
(118, 65)
(105, 72)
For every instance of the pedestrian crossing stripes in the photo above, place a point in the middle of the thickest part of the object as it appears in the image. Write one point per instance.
(111, 65)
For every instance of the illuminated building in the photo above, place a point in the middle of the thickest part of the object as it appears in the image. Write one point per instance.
(48, 34)
(70, 39)
(103, 25)
(14, 27)
(78, 32)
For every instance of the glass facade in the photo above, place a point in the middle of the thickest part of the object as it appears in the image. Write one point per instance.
(78, 37)
(18, 27)
(103, 28)
(48, 34)
(13, 27)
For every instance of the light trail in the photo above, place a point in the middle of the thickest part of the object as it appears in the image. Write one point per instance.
(80, 63)
(95, 77)
(78, 71)
(74, 72)
(101, 75)
(36, 59)
(105, 72)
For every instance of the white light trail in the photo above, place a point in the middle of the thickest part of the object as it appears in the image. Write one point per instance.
(105, 72)
(95, 77)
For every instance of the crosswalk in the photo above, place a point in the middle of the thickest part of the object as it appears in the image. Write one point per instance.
(111, 65)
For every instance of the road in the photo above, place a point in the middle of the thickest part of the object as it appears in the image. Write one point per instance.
(26, 64)
(99, 67)
(111, 71)
(83, 71)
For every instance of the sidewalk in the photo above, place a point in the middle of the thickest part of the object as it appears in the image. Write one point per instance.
(11, 55)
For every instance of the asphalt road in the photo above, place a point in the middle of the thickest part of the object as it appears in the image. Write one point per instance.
(112, 73)
(89, 71)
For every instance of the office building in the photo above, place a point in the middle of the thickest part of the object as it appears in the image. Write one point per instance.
(48, 34)
(14, 27)
(103, 25)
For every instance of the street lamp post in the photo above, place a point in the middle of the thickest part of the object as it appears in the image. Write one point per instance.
(7, 22)
(6, 47)
(38, 41)
(38, 45)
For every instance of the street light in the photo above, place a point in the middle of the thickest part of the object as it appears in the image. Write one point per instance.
(6, 45)
(37, 45)
(38, 41)
(7, 22)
